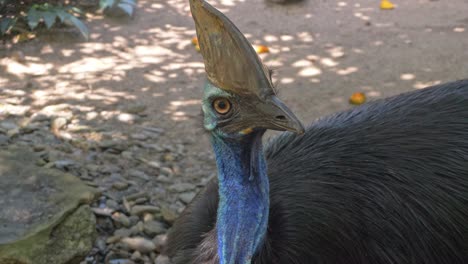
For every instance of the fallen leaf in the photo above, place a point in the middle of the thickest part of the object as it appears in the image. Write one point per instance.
(195, 41)
(357, 98)
(386, 5)
(23, 37)
(262, 49)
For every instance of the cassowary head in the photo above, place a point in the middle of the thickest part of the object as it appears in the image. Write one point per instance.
(239, 96)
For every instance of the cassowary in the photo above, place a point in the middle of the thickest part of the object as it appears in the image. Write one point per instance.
(386, 182)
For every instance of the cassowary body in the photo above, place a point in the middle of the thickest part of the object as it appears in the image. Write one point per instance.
(386, 182)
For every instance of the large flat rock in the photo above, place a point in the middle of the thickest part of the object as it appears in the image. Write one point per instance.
(43, 216)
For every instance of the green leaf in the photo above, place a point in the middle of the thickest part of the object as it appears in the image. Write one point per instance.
(130, 2)
(49, 18)
(103, 4)
(63, 15)
(126, 8)
(74, 9)
(80, 25)
(5, 24)
(33, 18)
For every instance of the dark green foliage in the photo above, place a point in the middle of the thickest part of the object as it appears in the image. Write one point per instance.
(19, 16)
(125, 5)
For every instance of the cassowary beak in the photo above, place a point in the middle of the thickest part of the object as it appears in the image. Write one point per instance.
(279, 117)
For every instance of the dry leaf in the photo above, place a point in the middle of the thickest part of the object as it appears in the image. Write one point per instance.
(262, 49)
(357, 98)
(23, 37)
(386, 5)
(195, 41)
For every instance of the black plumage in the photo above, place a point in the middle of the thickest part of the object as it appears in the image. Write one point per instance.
(385, 182)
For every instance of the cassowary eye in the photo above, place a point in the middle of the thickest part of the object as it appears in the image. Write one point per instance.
(222, 106)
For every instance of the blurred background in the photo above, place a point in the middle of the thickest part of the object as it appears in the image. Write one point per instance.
(109, 91)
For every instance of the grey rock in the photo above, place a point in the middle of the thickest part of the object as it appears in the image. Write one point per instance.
(138, 174)
(3, 140)
(168, 215)
(8, 125)
(153, 228)
(162, 259)
(181, 187)
(120, 185)
(166, 171)
(141, 209)
(123, 232)
(187, 197)
(160, 242)
(58, 123)
(141, 244)
(112, 204)
(53, 210)
(135, 196)
(121, 219)
(141, 200)
(121, 261)
(106, 211)
(136, 256)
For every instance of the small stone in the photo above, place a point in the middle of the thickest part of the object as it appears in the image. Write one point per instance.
(166, 171)
(141, 200)
(127, 118)
(162, 178)
(101, 244)
(64, 164)
(135, 109)
(123, 232)
(187, 197)
(134, 219)
(154, 164)
(113, 239)
(13, 132)
(139, 136)
(120, 185)
(162, 259)
(121, 219)
(3, 140)
(138, 174)
(138, 228)
(168, 215)
(160, 241)
(140, 244)
(112, 204)
(135, 196)
(168, 157)
(41, 162)
(58, 123)
(102, 211)
(121, 261)
(126, 205)
(153, 228)
(148, 217)
(6, 125)
(136, 255)
(181, 187)
(141, 209)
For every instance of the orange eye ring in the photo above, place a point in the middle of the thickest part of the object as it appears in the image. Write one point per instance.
(222, 106)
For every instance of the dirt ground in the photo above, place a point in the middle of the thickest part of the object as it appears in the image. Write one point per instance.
(322, 52)
(144, 72)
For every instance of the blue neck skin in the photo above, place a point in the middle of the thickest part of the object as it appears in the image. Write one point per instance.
(243, 196)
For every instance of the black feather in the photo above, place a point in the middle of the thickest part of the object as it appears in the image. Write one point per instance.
(386, 182)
